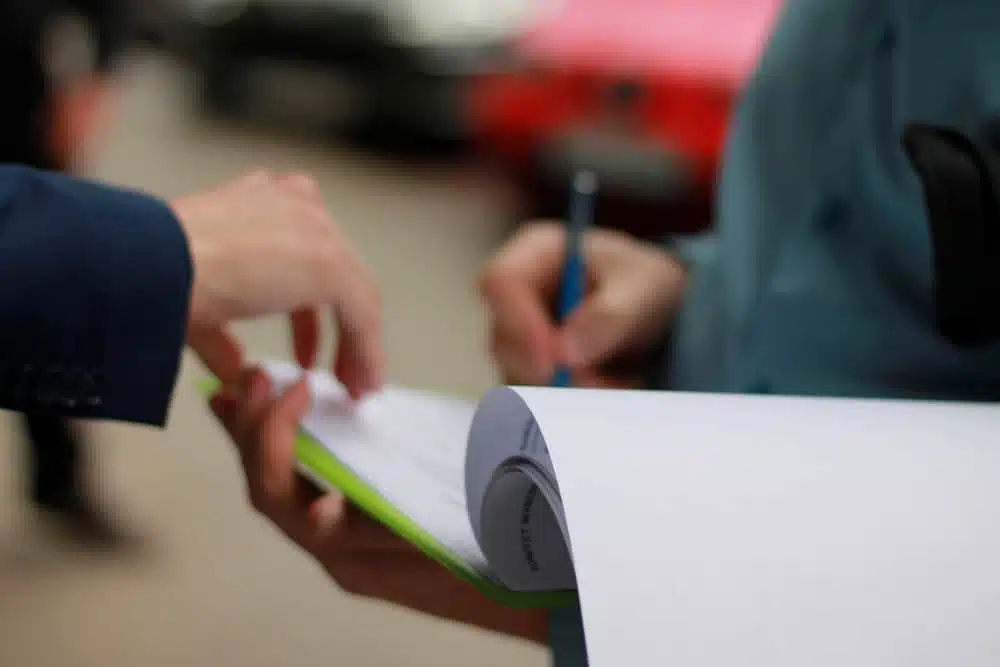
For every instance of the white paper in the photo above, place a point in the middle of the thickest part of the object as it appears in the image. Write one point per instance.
(513, 498)
(724, 530)
(408, 445)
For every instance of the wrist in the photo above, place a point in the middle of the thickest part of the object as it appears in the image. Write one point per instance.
(201, 308)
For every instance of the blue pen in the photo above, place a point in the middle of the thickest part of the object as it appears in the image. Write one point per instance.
(574, 278)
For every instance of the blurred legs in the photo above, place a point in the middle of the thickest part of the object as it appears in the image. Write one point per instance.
(59, 486)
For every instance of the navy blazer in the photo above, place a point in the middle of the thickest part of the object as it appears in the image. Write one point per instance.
(94, 292)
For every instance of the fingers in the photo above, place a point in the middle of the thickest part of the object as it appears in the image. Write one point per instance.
(357, 310)
(264, 430)
(535, 255)
(253, 180)
(360, 358)
(356, 304)
(306, 332)
(279, 427)
(300, 184)
(517, 286)
(355, 301)
(601, 326)
(220, 351)
(524, 364)
(632, 290)
(266, 244)
(357, 366)
(240, 407)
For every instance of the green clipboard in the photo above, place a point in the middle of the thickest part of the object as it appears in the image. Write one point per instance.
(324, 469)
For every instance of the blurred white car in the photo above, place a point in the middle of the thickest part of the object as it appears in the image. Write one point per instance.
(402, 64)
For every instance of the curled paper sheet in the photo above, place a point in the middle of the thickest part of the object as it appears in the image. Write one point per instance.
(698, 529)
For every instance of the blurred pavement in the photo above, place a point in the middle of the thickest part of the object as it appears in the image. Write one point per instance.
(220, 587)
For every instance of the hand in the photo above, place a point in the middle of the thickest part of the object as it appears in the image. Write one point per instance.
(634, 291)
(265, 245)
(360, 554)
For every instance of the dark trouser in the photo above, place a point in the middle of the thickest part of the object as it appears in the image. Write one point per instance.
(55, 459)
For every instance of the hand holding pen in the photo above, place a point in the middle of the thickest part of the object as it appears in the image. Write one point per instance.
(625, 293)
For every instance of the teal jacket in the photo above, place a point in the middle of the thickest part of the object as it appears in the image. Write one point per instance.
(818, 278)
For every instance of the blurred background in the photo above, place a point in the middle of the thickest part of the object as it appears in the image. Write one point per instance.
(434, 127)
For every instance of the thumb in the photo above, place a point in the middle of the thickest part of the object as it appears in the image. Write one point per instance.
(306, 334)
(279, 428)
(220, 351)
(599, 329)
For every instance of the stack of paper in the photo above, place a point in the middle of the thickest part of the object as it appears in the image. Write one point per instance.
(698, 530)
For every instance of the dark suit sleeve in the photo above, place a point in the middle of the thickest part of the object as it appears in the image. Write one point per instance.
(94, 291)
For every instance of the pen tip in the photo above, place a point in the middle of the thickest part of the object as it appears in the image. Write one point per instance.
(586, 182)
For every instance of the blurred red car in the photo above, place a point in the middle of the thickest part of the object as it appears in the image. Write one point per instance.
(638, 91)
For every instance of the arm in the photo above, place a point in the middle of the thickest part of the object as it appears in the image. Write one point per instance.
(93, 298)
(403, 576)
(99, 285)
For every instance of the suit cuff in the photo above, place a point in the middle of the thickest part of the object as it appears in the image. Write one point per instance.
(149, 275)
(97, 305)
